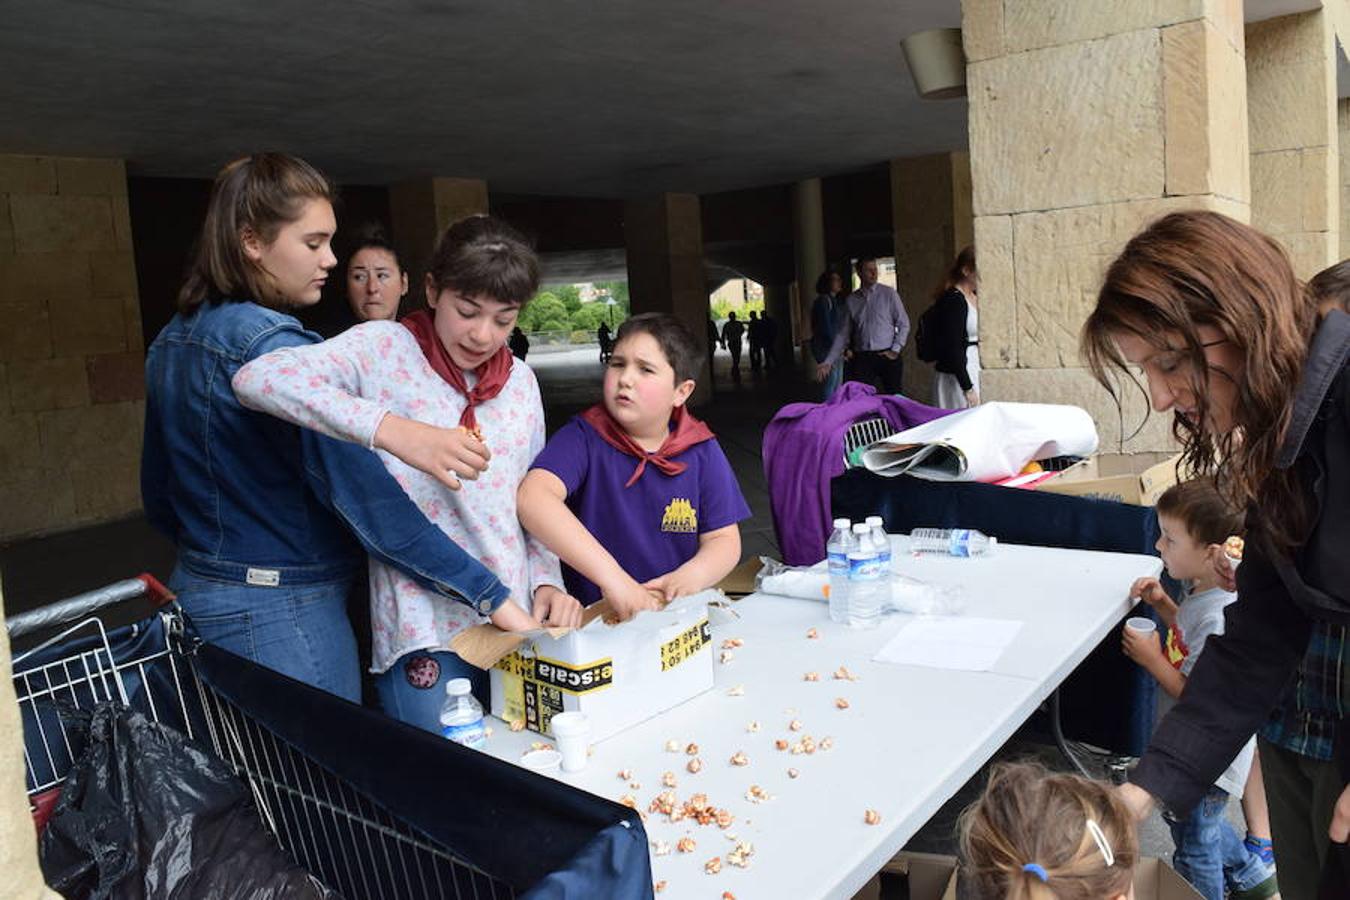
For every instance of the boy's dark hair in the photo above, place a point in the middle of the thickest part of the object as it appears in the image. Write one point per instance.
(373, 236)
(676, 341)
(1198, 505)
(483, 256)
(1332, 285)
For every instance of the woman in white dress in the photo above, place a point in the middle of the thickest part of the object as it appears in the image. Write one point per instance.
(956, 335)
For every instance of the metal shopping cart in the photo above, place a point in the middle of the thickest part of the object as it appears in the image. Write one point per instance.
(369, 806)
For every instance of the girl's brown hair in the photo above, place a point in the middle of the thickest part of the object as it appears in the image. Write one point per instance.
(1197, 268)
(963, 268)
(258, 194)
(1030, 823)
(483, 256)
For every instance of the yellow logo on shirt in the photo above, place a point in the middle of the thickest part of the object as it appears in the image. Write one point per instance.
(680, 517)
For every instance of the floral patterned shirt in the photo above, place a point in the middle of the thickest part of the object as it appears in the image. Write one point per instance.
(343, 388)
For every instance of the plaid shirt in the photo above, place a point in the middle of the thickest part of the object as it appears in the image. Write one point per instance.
(1312, 706)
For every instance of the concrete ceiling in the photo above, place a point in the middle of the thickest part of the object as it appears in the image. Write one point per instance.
(561, 97)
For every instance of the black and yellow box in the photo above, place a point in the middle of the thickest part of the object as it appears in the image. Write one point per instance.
(618, 675)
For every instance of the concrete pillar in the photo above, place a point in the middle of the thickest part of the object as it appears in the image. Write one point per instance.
(778, 304)
(420, 209)
(664, 239)
(808, 244)
(1292, 106)
(1088, 120)
(932, 221)
(72, 364)
(1343, 133)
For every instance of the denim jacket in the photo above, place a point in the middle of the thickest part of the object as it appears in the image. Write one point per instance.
(251, 499)
(1243, 673)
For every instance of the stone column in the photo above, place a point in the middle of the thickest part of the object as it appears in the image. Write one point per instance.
(1088, 120)
(72, 364)
(421, 209)
(1292, 104)
(808, 245)
(932, 222)
(664, 240)
(1343, 130)
(778, 304)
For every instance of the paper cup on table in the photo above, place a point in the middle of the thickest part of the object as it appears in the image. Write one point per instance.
(545, 762)
(1141, 624)
(573, 733)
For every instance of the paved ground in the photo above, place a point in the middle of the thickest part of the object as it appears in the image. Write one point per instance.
(38, 571)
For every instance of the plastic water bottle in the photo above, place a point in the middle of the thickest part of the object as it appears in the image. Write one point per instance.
(866, 581)
(836, 554)
(883, 542)
(462, 715)
(952, 542)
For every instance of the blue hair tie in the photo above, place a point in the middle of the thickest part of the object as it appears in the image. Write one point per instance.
(1038, 870)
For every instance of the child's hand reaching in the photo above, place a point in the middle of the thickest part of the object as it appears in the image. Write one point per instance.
(510, 617)
(443, 453)
(631, 599)
(1144, 647)
(1149, 590)
(672, 585)
(556, 608)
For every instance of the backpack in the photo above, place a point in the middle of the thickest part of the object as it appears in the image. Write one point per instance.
(924, 340)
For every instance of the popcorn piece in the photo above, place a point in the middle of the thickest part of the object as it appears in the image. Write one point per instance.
(625, 774)
(812, 634)
(713, 866)
(872, 817)
(826, 743)
(635, 785)
(728, 895)
(727, 656)
(668, 779)
(660, 848)
(793, 773)
(692, 750)
(740, 857)
(757, 794)
(487, 731)
(811, 676)
(664, 803)
(724, 818)
(740, 759)
(840, 703)
(780, 744)
(732, 644)
(1234, 546)
(686, 845)
(843, 674)
(752, 727)
(517, 724)
(794, 725)
(695, 766)
(541, 745)
(672, 746)
(658, 887)
(737, 691)
(629, 801)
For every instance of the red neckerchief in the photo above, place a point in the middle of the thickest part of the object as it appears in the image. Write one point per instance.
(687, 432)
(492, 374)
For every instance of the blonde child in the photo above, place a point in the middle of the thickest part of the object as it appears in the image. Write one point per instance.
(431, 395)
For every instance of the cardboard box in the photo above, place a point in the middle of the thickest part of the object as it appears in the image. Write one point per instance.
(618, 675)
(933, 877)
(1134, 478)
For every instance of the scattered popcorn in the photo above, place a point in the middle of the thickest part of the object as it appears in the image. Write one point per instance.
(740, 857)
(629, 801)
(664, 803)
(713, 866)
(723, 818)
(811, 676)
(840, 703)
(826, 743)
(843, 674)
(757, 794)
(695, 766)
(692, 750)
(637, 786)
(487, 731)
(625, 774)
(658, 887)
(794, 725)
(740, 759)
(728, 895)
(737, 691)
(812, 634)
(541, 745)
(732, 644)
(793, 773)
(780, 744)
(668, 779)
(517, 724)
(872, 817)
(752, 727)
(660, 848)
(727, 656)
(686, 845)
(672, 746)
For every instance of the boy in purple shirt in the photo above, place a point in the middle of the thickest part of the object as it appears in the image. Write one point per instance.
(635, 495)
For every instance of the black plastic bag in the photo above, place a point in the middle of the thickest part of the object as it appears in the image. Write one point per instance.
(146, 813)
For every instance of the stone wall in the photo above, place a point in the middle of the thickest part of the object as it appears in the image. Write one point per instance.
(1343, 166)
(1087, 121)
(71, 356)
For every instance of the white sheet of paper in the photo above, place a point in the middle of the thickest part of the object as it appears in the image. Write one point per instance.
(968, 644)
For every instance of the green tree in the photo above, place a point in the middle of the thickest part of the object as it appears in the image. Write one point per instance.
(589, 316)
(544, 313)
(569, 294)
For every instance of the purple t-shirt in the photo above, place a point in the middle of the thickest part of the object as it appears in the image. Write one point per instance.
(653, 526)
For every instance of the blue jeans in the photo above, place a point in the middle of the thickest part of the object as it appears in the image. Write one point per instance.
(832, 381)
(1209, 852)
(412, 690)
(302, 631)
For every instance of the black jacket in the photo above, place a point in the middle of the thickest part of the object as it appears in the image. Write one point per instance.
(1242, 674)
(949, 336)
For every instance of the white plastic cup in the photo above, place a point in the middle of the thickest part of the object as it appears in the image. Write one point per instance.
(545, 762)
(1233, 561)
(573, 733)
(1141, 624)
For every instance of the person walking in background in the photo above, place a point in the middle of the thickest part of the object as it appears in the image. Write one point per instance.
(768, 336)
(755, 332)
(955, 338)
(875, 329)
(827, 317)
(732, 332)
(602, 335)
(519, 344)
